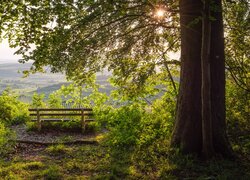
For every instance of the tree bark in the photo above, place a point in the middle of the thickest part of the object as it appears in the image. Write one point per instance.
(217, 58)
(207, 135)
(188, 133)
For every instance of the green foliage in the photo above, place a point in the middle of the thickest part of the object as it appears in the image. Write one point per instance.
(238, 41)
(31, 126)
(58, 150)
(140, 125)
(52, 173)
(35, 165)
(38, 101)
(54, 101)
(12, 111)
(124, 125)
(7, 140)
(238, 105)
(86, 37)
(238, 110)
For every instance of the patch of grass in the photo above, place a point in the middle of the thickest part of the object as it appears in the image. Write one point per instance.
(74, 167)
(35, 165)
(52, 173)
(58, 149)
(31, 126)
(20, 169)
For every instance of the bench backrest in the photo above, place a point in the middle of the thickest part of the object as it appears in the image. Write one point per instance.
(61, 111)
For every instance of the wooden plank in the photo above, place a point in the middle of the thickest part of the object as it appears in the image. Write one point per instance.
(60, 120)
(61, 109)
(88, 114)
(62, 114)
(57, 114)
(89, 120)
(86, 120)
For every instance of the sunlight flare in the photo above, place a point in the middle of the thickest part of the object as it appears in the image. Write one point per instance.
(160, 13)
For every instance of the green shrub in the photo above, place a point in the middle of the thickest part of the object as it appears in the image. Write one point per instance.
(7, 140)
(54, 101)
(93, 127)
(137, 124)
(124, 125)
(38, 101)
(12, 111)
(31, 126)
(238, 109)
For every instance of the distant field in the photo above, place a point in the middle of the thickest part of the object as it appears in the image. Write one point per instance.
(11, 76)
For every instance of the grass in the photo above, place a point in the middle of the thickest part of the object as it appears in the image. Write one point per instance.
(103, 162)
(155, 161)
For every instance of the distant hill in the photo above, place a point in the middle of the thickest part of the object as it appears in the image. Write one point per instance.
(11, 76)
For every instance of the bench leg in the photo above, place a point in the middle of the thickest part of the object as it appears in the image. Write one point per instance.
(39, 125)
(83, 122)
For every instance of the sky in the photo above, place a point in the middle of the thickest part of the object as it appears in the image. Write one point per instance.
(7, 53)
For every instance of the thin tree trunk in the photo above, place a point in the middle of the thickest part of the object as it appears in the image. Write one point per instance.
(207, 136)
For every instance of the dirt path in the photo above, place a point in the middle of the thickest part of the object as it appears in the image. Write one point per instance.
(50, 136)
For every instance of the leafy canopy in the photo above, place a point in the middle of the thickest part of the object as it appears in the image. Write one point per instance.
(125, 36)
(83, 37)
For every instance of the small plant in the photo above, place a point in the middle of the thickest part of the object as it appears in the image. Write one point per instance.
(52, 173)
(33, 165)
(73, 166)
(38, 100)
(58, 149)
(31, 126)
(93, 127)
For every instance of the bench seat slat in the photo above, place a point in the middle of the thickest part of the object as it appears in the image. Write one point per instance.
(61, 120)
(89, 120)
(61, 114)
(56, 114)
(61, 109)
(34, 120)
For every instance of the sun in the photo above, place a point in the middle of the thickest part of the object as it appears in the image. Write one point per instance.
(160, 13)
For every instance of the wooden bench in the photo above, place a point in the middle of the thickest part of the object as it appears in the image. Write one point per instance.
(49, 114)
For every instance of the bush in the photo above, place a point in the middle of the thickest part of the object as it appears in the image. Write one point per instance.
(12, 111)
(140, 125)
(124, 124)
(7, 140)
(237, 104)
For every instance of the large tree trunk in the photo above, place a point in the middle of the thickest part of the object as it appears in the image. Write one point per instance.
(188, 134)
(217, 58)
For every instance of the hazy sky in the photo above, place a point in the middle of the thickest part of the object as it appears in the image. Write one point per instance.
(7, 53)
